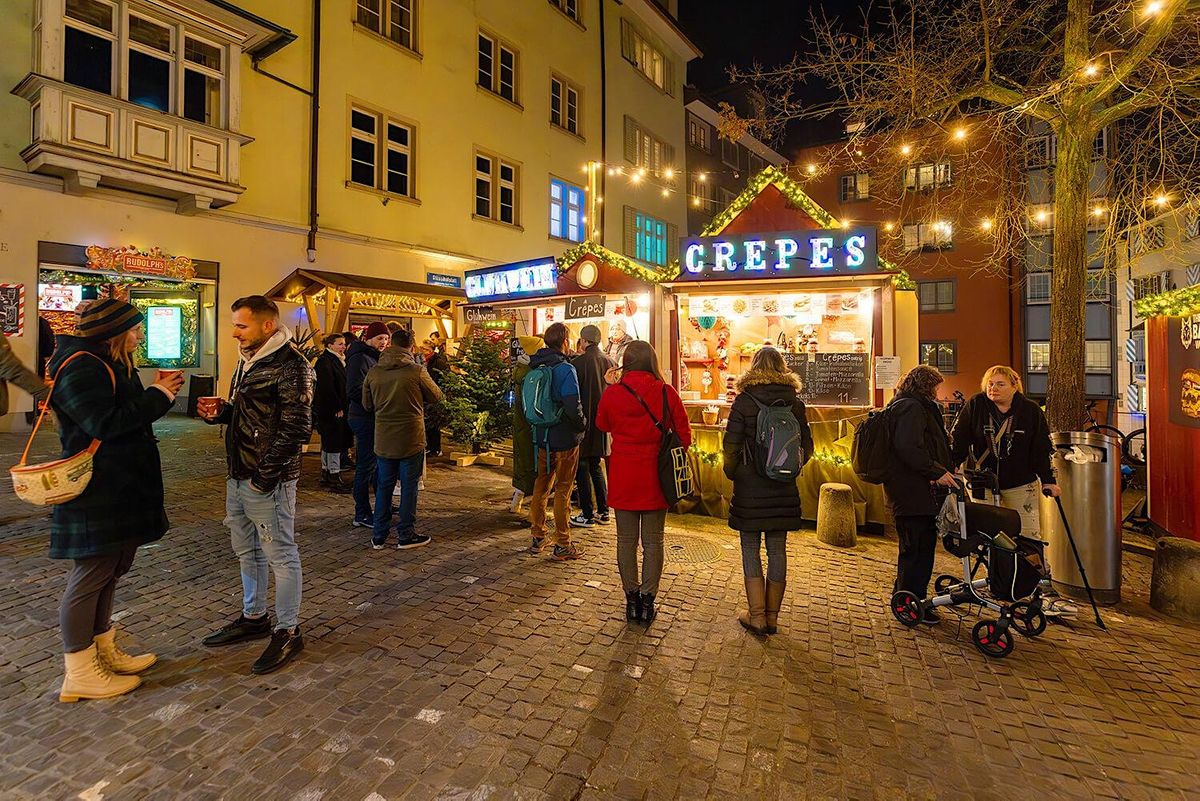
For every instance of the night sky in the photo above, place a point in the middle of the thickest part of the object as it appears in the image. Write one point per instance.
(741, 32)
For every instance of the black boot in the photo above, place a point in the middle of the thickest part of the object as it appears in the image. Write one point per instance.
(648, 611)
(633, 605)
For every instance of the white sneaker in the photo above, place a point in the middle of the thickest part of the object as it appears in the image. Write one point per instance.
(420, 484)
(1060, 607)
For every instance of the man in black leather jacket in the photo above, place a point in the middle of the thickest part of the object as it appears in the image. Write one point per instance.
(268, 419)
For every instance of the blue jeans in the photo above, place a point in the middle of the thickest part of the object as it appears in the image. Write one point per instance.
(364, 470)
(407, 472)
(262, 530)
(589, 475)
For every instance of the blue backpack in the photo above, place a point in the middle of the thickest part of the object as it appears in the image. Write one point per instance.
(541, 409)
(779, 452)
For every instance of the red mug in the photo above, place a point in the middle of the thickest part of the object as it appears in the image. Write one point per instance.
(209, 406)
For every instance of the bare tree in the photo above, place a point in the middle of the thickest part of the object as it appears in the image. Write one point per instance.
(1075, 68)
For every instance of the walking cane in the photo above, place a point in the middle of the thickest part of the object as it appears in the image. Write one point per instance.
(1078, 561)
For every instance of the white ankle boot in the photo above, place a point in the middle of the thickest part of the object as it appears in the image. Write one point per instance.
(88, 677)
(117, 660)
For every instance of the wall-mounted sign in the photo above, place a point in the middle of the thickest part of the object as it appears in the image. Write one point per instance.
(143, 262)
(164, 332)
(524, 279)
(585, 307)
(482, 314)
(1183, 370)
(832, 379)
(442, 279)
(794, 254)
(12, 310)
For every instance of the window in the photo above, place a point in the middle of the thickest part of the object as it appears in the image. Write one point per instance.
(566, 211)
(701, 195)
(727, 197)
(381, 152)
(936, 296)
(496, 186)
(729, 153)
(928, 236)
(940, 354)
(649, 239)
(1100, 144)
(1040, 151)
(920, 177)
(757, 164)
(1037, 288)
(165, 68)
(1138, 365)
(1097, 288)
(497, 67)
(568, 7)
(394, 19)
(1150, 285)
(698, 133)
(1039, 357)
(854, 186)
(643, 149)
(1148, 238)
(1097, 356)
(564, 105)
(649, 60)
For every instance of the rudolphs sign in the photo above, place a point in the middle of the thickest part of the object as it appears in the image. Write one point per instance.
(142, 262)
(799, 254)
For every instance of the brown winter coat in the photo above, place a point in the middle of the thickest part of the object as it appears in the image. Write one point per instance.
(396, 390)
(12, 370)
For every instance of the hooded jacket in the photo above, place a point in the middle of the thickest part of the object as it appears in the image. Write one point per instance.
(1025, 448)
(360, 357)
(590, 367)
(922, 455)
(122, 505)
(760, 503)
(395, 391)
(564, 388)
(269, 414)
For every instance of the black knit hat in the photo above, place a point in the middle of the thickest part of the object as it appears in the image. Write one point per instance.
(106, 318)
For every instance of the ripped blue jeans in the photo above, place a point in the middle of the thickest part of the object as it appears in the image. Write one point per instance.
(262, 529)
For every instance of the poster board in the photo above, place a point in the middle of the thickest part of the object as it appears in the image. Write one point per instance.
(832, 379)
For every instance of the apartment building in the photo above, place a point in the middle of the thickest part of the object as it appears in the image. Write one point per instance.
(189, 152)
(718, 169)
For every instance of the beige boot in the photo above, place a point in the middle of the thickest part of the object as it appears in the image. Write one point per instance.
(87, 677)
(754, 619)
(774, 602)
(117, 660)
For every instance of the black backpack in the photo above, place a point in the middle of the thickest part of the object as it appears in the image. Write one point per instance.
(871, 454)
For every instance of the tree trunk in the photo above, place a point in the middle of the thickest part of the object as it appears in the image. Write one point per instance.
(1066, 394)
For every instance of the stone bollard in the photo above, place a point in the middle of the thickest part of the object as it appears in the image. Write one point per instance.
(835, 516)
(1175, 578)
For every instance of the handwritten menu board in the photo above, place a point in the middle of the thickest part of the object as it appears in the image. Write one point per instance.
(833, 379)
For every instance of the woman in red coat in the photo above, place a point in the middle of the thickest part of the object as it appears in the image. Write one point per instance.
(630, 410)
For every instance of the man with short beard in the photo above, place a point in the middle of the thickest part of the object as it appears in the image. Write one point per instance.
(269, 419)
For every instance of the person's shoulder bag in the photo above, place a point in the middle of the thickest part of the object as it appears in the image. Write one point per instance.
(674, 470)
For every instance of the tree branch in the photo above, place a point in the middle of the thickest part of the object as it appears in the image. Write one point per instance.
(1156, 32)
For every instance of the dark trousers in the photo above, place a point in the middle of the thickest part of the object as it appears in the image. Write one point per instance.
(433, 439)
(364, 465)
(918, 541)
(407, 473)
(589, 477)
(86, 609)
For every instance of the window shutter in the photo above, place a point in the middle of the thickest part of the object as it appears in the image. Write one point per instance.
(627, 41)
(668, 154)
(668, 75)
(672, 242)
(630, 232)
(630, 140)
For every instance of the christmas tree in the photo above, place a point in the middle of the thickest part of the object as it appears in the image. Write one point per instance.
(478, 402)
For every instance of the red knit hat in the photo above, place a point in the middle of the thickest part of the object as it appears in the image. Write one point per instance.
(375, 329)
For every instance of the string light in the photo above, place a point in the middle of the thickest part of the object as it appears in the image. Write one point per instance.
(1153, 7)
(665, 193)
(669, 173)
(696, 200)
(1160, 200)
(986, 223)
(905, 149)
(612, 171)
(1098, 211)
(1090, 70)
(846, 223)
(811, 169)
(889, 226)
(1040, 216)
(960, 133)
(635, 178)
(702, 177)
(641, 173)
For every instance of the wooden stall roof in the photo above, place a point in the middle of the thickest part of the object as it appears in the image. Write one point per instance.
(310, 282)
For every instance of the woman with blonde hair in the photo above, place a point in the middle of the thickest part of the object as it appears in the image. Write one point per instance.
(97, 395)
(763, 508)
(1001, 431)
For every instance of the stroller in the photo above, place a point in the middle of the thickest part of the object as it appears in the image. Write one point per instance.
(987, 537)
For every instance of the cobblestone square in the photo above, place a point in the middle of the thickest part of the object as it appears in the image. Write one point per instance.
(472, 670)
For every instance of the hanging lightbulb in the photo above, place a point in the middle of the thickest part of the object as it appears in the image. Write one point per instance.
(635, 178)
(888, 226)
(905, 149)
(1153, 7)
(1098, 211)
(986, 224)
(1040, 216)
(696, 201)
(960, 133)
(612, 171)
(665, 193)
(642, 172)
(811, 169)
(702, 177)
(669, 173)
(1090, 70)
(1160, 200)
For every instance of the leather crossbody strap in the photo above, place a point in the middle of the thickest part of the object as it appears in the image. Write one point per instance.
(46, 404)
(664, 425)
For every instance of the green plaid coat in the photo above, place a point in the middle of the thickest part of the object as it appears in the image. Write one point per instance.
(122, 506)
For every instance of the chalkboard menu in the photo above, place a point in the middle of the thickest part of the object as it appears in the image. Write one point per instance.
(832, 379)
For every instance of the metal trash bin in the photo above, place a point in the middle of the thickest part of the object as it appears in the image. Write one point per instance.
(1088, 468)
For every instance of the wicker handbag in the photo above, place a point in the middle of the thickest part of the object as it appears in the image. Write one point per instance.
(63, 479)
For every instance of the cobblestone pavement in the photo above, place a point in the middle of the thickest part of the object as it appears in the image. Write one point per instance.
(471, 670)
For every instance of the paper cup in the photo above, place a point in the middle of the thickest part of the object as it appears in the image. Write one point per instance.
(163, 375)
(208, 406)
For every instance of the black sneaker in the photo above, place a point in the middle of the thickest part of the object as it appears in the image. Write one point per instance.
(537, 545)
(240, 630)
(284, 646)
(579, 521)
(603, 518)
(415, 541)
(931, 618)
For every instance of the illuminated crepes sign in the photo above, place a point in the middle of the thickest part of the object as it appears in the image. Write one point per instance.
(523, 279)
(795, 254)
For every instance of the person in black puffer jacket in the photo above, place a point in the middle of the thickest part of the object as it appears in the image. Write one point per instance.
(917, 482)
(762, 507)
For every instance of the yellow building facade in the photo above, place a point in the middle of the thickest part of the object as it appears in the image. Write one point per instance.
(450, 135)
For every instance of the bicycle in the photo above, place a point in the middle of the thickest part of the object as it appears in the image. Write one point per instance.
(1091, 425)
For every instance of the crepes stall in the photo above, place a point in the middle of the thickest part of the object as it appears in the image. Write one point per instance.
(820, 295)
(588, 285)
